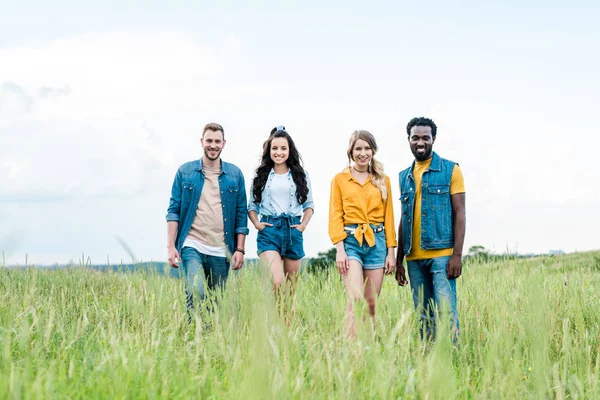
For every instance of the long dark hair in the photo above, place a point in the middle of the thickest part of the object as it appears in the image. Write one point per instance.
(294, 163)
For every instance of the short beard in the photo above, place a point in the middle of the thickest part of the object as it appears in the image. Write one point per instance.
(212, 159)
(423, 157)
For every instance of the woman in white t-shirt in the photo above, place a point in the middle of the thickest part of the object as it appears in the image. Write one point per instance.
(281, 195)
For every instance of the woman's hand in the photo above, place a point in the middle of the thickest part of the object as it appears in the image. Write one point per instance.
(390, 264)
(262, 225)
(341, 261)
(300, 227)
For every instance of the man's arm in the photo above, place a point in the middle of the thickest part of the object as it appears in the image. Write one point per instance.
(400, 271)
(237, 259)
(173, 255)
(173, 221)
(459, 222)
(241, 211)
(241, 225)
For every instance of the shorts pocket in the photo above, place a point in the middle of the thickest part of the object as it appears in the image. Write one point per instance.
(296, 234)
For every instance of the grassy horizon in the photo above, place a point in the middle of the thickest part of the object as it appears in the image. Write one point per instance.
(529, 329)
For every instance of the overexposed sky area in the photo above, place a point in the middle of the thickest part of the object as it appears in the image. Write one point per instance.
(100, 102)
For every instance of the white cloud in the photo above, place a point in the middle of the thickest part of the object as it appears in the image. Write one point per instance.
(79, 125)
(104, 125)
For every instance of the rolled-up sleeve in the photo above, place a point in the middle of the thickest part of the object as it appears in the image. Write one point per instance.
(309, 203)
(252, 206)
(175, 202)
(241, 215)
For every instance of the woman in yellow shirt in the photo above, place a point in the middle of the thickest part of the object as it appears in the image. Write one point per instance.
(361, 224)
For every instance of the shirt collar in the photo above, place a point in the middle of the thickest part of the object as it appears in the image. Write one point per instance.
(272, 172)
(199, 166)
(348, 173)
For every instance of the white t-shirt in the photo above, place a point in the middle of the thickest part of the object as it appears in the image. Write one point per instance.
(280, 192)
(217, 251)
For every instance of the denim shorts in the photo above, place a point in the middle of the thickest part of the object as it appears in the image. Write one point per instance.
(280, 237)
(368, 257)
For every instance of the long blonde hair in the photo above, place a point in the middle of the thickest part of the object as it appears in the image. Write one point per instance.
(375, 167)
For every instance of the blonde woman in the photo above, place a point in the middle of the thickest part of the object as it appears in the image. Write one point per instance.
(361, 225)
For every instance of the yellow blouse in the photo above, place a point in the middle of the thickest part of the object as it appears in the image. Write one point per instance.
(353, 203)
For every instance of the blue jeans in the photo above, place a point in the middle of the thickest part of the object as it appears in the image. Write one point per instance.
(199, 268)
(430, 287)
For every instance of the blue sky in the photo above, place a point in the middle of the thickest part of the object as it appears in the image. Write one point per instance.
(100, 104)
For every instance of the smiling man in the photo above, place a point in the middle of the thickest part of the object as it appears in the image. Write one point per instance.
(432, 227)
(207, 217)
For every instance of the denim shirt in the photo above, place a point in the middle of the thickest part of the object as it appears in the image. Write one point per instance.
(266, 208)
(436, 207)
(185, 196)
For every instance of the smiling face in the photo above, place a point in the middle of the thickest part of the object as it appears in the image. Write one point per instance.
(362, 153)
(280, 150)
(421, 142)
(213, 143)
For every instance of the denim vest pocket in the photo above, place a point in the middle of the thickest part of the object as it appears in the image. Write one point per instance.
(439, 197)
(406, 205)
(438, 215)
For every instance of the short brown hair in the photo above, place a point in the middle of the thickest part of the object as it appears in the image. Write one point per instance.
(213, 126)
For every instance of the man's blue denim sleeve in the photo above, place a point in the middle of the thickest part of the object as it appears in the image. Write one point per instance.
(252, 206)
(241, 215)
(175, 201)
(309, 203)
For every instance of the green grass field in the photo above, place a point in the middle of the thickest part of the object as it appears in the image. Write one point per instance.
(530, 329)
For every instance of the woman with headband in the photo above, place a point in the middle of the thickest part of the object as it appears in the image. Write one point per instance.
(281, 195)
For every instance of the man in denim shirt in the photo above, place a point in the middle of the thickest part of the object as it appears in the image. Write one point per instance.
(432, 227)
(207, 218)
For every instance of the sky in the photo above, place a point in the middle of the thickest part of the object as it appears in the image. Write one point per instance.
(101, 102)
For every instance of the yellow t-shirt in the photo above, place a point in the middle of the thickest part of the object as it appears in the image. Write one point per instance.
(457, 185)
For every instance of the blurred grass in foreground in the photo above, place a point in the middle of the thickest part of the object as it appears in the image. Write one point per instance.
(529, 329)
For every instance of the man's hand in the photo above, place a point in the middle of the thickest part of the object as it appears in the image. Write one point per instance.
(261, 225)
(237, 260)
(454, 267)
(401, 275)
(173, 257)
(390, 264)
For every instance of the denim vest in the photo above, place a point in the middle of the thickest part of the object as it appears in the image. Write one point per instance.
(185, 195)
(436, 208)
